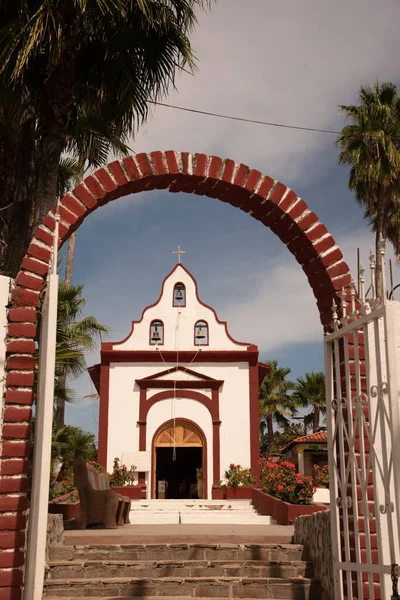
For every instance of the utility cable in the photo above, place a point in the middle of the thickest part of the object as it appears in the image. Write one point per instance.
(244, 120)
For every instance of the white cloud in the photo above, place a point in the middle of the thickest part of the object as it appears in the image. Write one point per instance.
(280, 308)
(288, 61)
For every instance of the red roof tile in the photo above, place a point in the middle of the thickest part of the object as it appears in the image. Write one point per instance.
(312, 438)
(320, 437)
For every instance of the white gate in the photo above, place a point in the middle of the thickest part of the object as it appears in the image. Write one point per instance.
(364, 444)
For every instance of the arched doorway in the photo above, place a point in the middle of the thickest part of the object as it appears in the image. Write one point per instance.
(179, 451)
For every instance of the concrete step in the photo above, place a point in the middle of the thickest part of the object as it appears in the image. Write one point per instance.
(162, 552)
(189, 568)
(133, 598)
(198, 510)
(286, 588)
(158, 506)
(233, 519)
(200, 519)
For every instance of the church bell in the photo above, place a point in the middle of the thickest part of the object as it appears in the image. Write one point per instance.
(156, 336)
(179, 295)
(200, 334)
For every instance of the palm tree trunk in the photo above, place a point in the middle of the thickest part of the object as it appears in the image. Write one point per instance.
(57, 98)
(316, 413)
(60, 403)
(270, 426)
(380, 245)
(18, 222)
(70, 260)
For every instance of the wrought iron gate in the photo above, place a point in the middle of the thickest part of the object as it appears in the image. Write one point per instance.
(364, 445)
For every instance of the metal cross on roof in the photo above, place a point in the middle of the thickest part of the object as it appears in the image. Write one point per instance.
(179, 252)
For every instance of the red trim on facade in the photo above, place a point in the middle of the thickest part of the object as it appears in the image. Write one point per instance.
(201, 376)
(263, 369)
(254, 420)
(187, 356)
(216, 440)
(197, 344)
(103, 414)
(183, 305)
(94, 374)
(178, 421)
(213, 407)
(200, 384)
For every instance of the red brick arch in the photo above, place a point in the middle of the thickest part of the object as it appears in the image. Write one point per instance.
(268, 201)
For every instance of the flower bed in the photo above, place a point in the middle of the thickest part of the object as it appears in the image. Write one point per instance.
(218, 492)
(134, 492)
(283, 512)
(241, 492)
(67, 505)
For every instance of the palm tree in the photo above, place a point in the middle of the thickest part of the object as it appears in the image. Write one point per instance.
(108, 58)
(275, 403)
(75, 337)
(73, 442)
(310, 391)
(370, 145)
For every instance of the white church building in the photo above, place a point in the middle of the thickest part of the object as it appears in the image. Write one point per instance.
(178, 394)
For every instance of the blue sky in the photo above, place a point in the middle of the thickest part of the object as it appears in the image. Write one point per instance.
(284, 61)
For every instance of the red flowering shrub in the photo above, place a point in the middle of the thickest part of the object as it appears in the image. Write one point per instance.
(279, 479)
(121, 475)
(321, 476)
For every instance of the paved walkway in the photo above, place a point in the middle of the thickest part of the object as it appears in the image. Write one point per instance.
(182, 534)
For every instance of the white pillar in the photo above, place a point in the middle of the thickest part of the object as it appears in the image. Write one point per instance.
(300, 462)
(37, 526)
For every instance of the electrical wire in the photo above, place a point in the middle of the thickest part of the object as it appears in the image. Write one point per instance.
(244, 120)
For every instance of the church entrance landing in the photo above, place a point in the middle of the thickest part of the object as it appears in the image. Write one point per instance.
(179, 461)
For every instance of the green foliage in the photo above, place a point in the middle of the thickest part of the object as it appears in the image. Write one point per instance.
(272, 445)
(68, 442)
(236, 476)
(275, 402)
(309, 391)
(75, 337)
(279, 479)
(81, 76)
(370, 145)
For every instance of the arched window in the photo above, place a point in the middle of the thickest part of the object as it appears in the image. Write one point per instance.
(201, 333)
(156, 333)
(179, 297)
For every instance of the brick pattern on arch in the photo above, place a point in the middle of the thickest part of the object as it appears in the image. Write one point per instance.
(268, 201)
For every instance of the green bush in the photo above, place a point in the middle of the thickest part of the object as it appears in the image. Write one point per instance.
(238, 476)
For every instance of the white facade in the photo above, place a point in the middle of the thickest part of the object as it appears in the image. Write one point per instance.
(179, 322)
(206, 385)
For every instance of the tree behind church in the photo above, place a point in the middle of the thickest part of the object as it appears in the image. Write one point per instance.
(310, 392)
(59, 59)
(76, 335)
(275, 402)
(370, 145)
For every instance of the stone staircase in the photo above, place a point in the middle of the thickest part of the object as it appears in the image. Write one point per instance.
(181, 571)
(196, 512)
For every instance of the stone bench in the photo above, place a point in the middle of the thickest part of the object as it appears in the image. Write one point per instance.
(99, 504)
